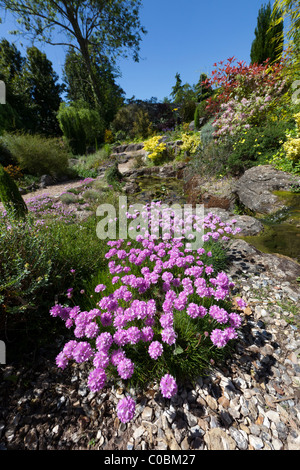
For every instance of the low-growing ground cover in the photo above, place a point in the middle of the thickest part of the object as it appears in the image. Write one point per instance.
(158, 310)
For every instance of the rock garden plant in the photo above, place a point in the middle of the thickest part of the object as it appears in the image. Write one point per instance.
(160, 312)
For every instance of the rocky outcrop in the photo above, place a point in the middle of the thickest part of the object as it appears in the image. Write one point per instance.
(210, 191)
(245, 258)
(249, 225)
(255, 188)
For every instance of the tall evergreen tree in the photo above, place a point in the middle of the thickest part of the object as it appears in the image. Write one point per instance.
(11, 69)
(44, 92)
(268, 42)
(203, 90)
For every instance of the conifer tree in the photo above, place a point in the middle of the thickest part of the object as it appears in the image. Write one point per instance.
(268, 42)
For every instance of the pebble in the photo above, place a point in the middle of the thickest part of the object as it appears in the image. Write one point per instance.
(251, 403)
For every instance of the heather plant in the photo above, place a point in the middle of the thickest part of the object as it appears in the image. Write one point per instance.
(159, 312)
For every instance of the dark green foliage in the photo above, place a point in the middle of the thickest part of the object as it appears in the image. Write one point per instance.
(203, 90)
(32, 91)
(268, 42)
(142, 126)
(113, 175)
(112, 28)
(10, 196)
(10, 120)
(44, 92)
(6, 157)
(197, 118)
(257, 146)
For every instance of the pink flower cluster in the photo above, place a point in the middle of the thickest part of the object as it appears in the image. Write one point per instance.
(132, 314)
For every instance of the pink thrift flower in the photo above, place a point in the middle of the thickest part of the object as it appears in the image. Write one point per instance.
(125, 368)
(126, 409)
(96, 380)
(155, 349)
(168, 386)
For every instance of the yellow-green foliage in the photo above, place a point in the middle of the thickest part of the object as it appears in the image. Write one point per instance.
(292, 145)
(191, 143)
(292, 149)
(154, 147)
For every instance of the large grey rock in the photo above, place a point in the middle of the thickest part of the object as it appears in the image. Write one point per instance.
(254, 189)
(249, 226)
(244, 255)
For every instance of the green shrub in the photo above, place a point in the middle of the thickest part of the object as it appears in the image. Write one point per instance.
(9, 119)
(81, 127)
(68, 198)
(256, 146)
(113, 176)
(38, 155)
(10, 195)
(207, 132)
(142, 126)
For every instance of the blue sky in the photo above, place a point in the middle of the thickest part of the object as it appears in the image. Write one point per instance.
(187, 37)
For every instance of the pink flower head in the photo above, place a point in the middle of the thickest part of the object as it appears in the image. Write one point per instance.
(96, 380)
(168, 386)
(126, 409)
(155, 349)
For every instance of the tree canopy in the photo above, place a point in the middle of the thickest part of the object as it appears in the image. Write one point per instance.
(111, 27)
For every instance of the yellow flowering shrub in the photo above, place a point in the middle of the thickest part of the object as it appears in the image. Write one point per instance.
(292, 145)
(292, 148)
(191, 143)
(154, 147)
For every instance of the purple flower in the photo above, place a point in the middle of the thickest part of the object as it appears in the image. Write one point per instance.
(168, 335)
(155, 349)
(82, 352)
(100, 288)
(96, 380)
(219, 314)
(61, 360)
(126, 409)
(125, 368)
(117, 356)
(133, 335)
(219, 338)
(193, 310)
(168, 386)
(101, 359)
(147, 334)
(235, 320)
(104, 341)
(91, 330)
(120, 337)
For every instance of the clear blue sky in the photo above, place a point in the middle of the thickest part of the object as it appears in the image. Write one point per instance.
(187, 37)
